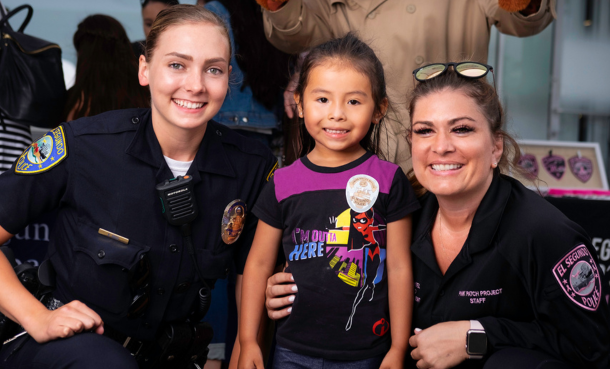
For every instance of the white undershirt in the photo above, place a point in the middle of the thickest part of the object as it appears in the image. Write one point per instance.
(178, 168)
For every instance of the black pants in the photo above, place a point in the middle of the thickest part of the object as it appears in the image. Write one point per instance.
(85, 350)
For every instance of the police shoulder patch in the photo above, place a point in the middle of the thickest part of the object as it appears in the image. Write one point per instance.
(578, 276)
(272, 171)
(43, 154)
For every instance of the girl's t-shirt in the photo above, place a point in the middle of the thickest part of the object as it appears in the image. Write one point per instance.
(334, 238)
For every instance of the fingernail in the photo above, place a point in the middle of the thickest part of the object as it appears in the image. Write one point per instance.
(289, 310)
(417, 329)
(291, 298)
(294, 288)
(292, 278)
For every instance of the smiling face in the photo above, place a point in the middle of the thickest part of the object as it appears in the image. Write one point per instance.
(188, 75)
(337, 106)
(453, 149)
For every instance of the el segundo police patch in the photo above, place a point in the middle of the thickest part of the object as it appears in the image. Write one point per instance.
(579, 278)
(43, 154)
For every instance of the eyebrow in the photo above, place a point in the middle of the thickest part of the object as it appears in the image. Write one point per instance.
(451, 122)
(190, 58)
(357, 92)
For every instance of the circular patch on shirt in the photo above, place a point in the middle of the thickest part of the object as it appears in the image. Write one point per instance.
(361, 192)
(578, 276)
(233, 221)
(43, 154)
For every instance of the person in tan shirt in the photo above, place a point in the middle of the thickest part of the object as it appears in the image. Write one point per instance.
(405, 34)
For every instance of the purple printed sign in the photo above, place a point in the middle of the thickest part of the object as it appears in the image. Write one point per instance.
(529, 164)
(579, 278)
(555, 165)
(581, 167)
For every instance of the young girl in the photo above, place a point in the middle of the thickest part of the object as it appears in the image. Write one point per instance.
(124, 273)
(342, 217)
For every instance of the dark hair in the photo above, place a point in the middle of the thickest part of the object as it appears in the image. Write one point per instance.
(489, 105)
(182, 14)
(265, 67)
(106, 70)
(166, 2)
(357, 54)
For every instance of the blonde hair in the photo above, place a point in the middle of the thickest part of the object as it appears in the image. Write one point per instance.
(182, 14)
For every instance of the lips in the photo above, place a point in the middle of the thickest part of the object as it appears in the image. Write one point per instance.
(189, 104)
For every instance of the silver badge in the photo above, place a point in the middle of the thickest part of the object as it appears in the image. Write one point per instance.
(361, 192)
(233, 221)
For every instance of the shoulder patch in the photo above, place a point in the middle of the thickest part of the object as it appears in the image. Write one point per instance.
(43, 154)
(578, 276)
(272, 172)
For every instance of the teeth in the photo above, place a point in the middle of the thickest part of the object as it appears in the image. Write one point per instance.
(335, 131)
(188, 104)
(442, 167)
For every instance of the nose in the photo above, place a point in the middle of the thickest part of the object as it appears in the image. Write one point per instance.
(443, 143)
(336, 112)
(195, 82)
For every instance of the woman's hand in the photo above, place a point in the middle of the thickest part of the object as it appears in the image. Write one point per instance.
(278, 304)
(250, 356)
(64, 322)
(393, 359)
(441, 346)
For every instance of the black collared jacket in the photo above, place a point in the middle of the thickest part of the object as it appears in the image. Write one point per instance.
(526, 272)
(108, 181)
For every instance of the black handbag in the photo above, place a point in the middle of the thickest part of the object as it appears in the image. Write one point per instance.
(32, 87)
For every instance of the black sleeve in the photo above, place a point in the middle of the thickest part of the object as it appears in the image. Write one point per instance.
(267, 207)
(402, 200)
(25, 197)
(566, 325)
(247, 236)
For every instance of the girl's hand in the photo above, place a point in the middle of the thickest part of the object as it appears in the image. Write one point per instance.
(441, 346)
(250, 356)
(64, 322)
(393, 359)
(277, 303)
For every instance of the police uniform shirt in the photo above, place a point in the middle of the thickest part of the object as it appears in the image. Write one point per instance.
(526, 272)
(107, 180)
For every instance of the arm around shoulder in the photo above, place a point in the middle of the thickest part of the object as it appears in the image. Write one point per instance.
(518, 24)
(298, 25)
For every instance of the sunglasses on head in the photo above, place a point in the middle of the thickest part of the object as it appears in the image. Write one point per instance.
(469, 70)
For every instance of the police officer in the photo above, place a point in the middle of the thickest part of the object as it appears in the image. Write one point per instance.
(123, 271)
(502, 278)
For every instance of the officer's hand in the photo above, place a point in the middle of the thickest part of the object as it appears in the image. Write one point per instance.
(66, 321)
(441, 346)
(278, 286)
(250, 356)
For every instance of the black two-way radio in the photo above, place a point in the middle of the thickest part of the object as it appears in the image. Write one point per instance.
(179, 207)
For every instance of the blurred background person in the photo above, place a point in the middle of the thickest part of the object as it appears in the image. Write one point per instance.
(150, 9)
(106, 70)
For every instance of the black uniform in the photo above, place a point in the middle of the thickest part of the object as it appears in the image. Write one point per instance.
(108, 181)
(526, 272)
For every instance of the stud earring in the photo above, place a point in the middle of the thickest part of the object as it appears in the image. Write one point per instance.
(300, 114)
(494, 165)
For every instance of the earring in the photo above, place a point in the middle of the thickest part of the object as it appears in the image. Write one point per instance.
(494, 165)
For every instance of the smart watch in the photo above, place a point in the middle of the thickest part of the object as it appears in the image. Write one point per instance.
(476, 340)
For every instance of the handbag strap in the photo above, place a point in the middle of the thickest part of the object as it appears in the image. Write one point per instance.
(5, 19)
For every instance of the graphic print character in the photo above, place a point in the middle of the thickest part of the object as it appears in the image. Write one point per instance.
(362, 227)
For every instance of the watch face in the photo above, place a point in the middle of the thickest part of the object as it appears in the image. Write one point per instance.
(477, 343)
